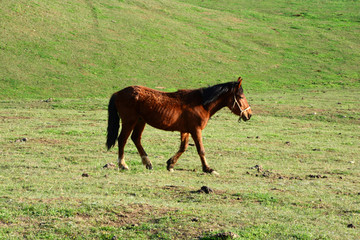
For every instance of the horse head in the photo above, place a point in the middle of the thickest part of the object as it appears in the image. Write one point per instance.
(238, 103)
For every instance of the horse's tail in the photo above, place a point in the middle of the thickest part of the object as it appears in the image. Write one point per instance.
(113, 123)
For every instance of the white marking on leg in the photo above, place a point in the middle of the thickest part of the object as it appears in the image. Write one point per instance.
(122, 164)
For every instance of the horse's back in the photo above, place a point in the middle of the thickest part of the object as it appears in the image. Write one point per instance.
(169, 111)
(152, 96)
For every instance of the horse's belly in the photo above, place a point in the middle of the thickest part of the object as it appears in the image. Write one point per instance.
(164, 123)
(164, 118)
(170, 116)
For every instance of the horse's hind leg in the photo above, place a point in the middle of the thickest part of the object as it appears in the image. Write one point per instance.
(126, 129)
(183, 146)
(136, 137)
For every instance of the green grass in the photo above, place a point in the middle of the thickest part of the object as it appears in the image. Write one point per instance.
(92, 48)
(61, 60)
(44, 195)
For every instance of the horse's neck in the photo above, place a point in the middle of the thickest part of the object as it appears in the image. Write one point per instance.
(217, 105)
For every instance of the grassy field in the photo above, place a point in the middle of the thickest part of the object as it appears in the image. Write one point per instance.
(306, 188)
(291, 172)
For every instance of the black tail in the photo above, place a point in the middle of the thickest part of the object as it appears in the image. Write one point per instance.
(113, 123)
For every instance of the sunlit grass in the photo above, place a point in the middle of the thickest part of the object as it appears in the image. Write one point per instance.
(306, 187)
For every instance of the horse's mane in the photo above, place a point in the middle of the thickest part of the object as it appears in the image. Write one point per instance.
(212, 93)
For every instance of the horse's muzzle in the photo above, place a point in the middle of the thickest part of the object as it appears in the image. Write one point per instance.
(246, 117)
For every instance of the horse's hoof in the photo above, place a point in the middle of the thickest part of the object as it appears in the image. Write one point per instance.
(215, 173)
(210, 170)
(149, 166)
(169, 166)
(126, 168)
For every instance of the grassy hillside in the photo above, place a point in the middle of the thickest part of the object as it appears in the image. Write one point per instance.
(92, 48)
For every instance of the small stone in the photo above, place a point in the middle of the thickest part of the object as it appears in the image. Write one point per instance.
(109, 165)
(206, 189)
(226, 235)
(21, 140)
(351, 225)
(259, 168)
(48, 100)
(316, 176)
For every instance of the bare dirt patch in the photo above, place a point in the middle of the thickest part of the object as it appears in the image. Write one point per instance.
(183, 191)
(133, 215)
(259, 171)
(13, 117)
(49, 141)
(222, 235)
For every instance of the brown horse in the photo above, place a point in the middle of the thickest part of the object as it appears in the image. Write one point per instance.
(186, 111)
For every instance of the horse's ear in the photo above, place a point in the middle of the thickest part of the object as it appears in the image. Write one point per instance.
(239, 81)
(238, 85)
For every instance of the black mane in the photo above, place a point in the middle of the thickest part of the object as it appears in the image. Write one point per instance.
(211, 94)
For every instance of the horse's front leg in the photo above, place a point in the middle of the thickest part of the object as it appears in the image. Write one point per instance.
(201, 151)
(183, 146)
